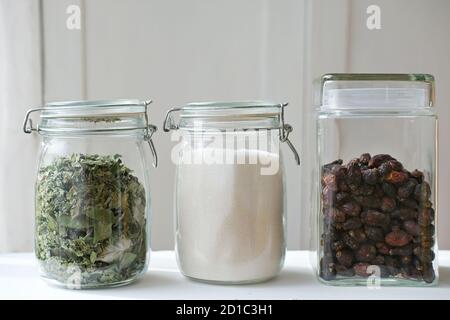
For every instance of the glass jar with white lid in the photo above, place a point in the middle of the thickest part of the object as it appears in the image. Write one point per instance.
(230, 193)
(377, 180)
(92, 192)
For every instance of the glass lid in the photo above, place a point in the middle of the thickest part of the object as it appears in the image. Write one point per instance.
(124, 117)
(375, 92)
(224, 115)
(89, 116)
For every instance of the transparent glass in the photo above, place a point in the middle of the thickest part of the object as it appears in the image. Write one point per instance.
(92, 224)
(230, 204)
(376, 187)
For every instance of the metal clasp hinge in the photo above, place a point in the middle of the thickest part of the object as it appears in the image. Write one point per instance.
(150, 129)
(168, 123)
(285, 130)
(28, 123)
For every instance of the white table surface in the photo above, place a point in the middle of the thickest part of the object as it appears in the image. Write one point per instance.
(19, 280)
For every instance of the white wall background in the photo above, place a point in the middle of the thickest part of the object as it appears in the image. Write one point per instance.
(181, 51)
(20, 88)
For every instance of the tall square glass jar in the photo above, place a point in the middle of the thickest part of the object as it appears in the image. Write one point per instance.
(376, 180)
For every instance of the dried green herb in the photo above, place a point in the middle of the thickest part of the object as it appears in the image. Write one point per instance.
(90, 221)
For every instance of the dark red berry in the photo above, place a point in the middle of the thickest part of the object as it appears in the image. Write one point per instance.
(398, 238)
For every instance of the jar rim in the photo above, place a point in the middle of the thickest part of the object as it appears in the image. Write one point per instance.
(222, 105)
(421, 77)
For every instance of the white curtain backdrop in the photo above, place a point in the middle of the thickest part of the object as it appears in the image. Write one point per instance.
(20, 88)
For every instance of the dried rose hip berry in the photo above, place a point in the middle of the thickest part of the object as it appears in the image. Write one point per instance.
(364, 158)
(418, 175)
(353, 223)
(404, 214)
(388, 204)
(365, 190)
(394, 165)
(342, 197)
(338, 245)
(426, 237)
(411, 227)
(351, 208)
(353, 177)
(374, 233)
(396, 177)
(409, 203)
(372, 202)
(384, 170)
(345, 257)
(378, 159)
(389, 166)
(401, 251)
(389, 189)
(406, 260)
(328, 197)
(366, 253)
(428, 274)
(343, 186)
(343, 271)
(375, 218)
(384, 271)
(417, 263)
(330, 180)
(424, 255)
(358, 234)
(392, 261)
(379, 260)
(425, 216)
(327, 269)
(406, 189)
(378, 192)
(350, 242)
(334, 215)
(329, 166)
(422, 192)
(339, 171)
(361, 269)
(370, 176)
(382, 248)
(398, 238)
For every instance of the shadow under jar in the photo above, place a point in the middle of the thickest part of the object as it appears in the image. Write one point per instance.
(230, 192)
(92, 192)
(377, 148)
